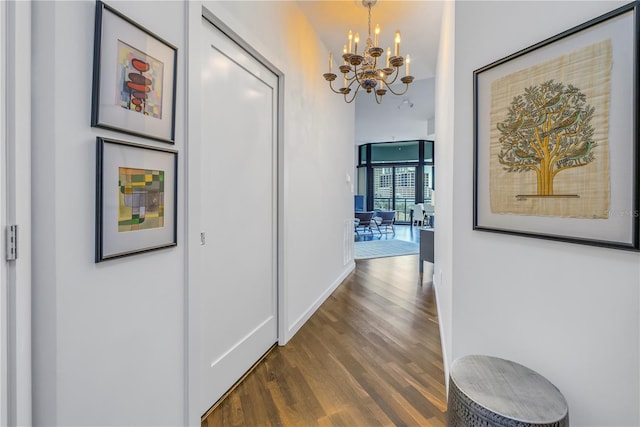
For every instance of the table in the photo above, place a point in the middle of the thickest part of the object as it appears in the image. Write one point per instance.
(489, 391)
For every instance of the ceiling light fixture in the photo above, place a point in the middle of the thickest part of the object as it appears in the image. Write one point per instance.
(363, 71)
(405, 103)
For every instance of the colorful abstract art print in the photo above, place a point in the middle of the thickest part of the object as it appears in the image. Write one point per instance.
(136, 198)
(140, 199)
(134, 78)
(139, 81)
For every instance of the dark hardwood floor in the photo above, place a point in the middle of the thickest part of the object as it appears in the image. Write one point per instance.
(370, 356)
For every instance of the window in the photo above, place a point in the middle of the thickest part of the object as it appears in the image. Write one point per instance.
(395, 152)
(427, 180)
(397, 175)
(385, 181)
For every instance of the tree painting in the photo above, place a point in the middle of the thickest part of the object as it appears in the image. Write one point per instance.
(547, 130)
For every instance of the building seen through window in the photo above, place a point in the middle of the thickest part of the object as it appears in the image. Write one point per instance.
(396, 175)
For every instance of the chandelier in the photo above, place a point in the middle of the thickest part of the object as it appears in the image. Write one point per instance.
(362, 70)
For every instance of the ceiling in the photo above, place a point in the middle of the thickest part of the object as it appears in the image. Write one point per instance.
(418, 22)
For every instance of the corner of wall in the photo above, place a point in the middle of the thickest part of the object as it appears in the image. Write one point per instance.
(444, 232)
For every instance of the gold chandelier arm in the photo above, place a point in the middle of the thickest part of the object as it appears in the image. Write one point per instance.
(378, 97)
(395, 74)
(355, 92)
(331, 87)
(399, 93)
(355, 75)
(353, 80)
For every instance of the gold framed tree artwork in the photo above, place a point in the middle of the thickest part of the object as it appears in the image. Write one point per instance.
(556, 146)
(547, 130)
(549, 140)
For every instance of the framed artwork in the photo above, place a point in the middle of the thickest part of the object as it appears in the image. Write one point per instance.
(556, 137)
(134, 78)
(136, 198)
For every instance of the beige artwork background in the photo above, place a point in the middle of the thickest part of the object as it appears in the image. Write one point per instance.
(589, 69)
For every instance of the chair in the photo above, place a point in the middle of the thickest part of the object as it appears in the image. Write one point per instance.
(429, 213)
(364, 220)
(385, 219)
(417, 214)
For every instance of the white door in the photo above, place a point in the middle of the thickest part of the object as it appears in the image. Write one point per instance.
(238, 196)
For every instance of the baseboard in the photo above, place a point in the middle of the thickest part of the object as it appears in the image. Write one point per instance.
(300, 321)
(445, 359)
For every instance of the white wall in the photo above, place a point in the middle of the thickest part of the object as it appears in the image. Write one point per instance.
(576, 320)
(110, 338)
(443, 266)
(386, 122)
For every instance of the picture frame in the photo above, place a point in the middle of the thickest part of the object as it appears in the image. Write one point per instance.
(136, 198)
(556, 147)
(134, 78)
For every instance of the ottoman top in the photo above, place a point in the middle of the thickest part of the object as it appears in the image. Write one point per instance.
(508, 389)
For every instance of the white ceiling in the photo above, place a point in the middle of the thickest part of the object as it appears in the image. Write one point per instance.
(418, 22)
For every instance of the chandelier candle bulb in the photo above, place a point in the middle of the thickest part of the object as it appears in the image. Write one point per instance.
(397, 40)
(408, 61)
(377, 33)
(350, 39)
(356, 40)
(388, 55)
(330, 62)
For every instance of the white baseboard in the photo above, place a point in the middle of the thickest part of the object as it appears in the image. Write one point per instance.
(445, 359)
(300, 321)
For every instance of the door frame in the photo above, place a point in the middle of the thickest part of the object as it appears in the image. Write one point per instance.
(15, 208)
(4, 308)
(195, 13)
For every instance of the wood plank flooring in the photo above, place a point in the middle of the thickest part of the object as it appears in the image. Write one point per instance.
(370, 356)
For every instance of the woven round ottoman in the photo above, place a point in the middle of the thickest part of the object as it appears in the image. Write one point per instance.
(488, 391)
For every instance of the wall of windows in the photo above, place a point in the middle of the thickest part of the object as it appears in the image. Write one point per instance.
(396, 175)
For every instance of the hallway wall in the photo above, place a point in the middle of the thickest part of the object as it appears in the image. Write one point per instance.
(110, 338)
(576, 320)
(443, 274)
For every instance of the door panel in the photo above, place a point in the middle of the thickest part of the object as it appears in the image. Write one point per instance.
(238, 200)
